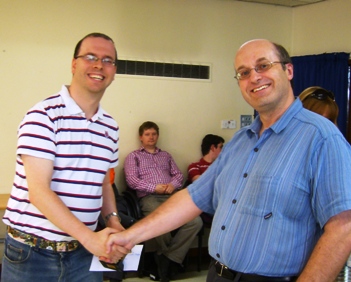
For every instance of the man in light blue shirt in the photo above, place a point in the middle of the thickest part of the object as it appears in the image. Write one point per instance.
(280, 189)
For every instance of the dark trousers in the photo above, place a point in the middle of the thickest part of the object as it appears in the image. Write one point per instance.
(212, 275)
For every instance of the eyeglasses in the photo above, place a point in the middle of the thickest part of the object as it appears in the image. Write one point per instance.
(108, 62)
(260, 68)
(321, 94)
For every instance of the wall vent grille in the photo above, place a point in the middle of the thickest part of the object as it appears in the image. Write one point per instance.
(157, 69)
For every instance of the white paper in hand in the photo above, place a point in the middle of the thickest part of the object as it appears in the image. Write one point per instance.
(130, 262)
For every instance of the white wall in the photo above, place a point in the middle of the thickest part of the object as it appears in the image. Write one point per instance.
(37, 38)
(322, 28)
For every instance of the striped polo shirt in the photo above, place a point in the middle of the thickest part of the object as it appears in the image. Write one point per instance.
(81, 150)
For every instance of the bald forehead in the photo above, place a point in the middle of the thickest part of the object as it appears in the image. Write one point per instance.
(255, 41)
(257, 49)
(263, 44)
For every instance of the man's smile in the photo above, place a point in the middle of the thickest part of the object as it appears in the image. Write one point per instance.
(96, 76)
(259, 88)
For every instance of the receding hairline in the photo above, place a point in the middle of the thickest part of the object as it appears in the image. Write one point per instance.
(278, 49)
(254, 41)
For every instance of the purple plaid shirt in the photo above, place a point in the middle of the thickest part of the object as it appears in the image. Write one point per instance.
(145, 170)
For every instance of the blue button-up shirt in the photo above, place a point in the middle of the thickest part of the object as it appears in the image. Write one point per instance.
(272, 194)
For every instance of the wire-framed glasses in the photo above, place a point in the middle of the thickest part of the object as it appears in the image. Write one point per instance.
(259, 68)
(109, 62)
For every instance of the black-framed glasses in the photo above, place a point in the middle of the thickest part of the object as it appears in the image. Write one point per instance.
(259, 68)
(321, 94)
(92, 58)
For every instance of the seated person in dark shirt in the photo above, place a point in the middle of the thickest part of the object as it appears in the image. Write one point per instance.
(211, 146)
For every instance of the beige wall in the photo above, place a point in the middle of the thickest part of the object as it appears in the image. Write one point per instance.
(323, 27)
(37, 39)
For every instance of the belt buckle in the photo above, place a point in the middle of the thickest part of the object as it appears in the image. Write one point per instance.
(222, 268)
(62, 247)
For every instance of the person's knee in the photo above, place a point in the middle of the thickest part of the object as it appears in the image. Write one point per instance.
(199, 222)
(196, 223)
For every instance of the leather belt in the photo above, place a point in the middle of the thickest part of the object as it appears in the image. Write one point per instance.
(33, 241)
(227, 273)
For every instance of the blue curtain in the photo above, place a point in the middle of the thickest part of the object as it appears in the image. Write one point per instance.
(329, 71)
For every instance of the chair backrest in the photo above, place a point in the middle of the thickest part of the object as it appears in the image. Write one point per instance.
(125, 211)
(186, 183)
(133, 203)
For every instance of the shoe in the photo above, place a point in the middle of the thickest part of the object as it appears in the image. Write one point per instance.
(175, 269)
(163, 264)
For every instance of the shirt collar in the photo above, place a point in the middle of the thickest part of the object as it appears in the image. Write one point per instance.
(142, 149)
(73, 107)
(281, 123)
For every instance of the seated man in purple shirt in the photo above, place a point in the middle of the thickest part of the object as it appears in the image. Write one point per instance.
(155, 176)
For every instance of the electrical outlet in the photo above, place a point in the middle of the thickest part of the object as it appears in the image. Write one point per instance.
(232, 124)
(228, 124)
(224, 124)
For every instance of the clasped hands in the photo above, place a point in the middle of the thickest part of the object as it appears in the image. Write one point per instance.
(117, 246)
(97, 243)
(164, 189)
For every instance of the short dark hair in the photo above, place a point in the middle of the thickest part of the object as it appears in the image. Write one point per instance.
(282, 54)
(208, 141)
(148, 125)
(94, 34)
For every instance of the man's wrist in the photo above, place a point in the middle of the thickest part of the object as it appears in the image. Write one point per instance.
(107, 217)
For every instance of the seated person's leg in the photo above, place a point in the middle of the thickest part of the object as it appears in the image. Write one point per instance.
(148, 204)
(183, 239)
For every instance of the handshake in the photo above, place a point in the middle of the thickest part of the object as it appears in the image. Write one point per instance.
(113, 245)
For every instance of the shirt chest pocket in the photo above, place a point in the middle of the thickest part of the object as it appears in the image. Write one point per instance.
(266, 196)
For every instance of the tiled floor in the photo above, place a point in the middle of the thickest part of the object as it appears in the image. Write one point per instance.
(193, 276)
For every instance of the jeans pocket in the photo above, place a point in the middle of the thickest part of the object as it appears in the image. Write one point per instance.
(16, 252)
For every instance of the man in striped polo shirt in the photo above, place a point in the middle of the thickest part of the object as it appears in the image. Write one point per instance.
(66, 145)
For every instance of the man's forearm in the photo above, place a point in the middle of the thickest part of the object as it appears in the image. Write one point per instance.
(57, 212)
(175, 212)
(331, 251)
(109, 205)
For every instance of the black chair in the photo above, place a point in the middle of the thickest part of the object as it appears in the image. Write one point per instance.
(133, 203)
(132, 199)
(147, 264)
(127, 219)
(201, 233)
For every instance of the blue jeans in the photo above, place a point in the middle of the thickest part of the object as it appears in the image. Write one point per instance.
(25, 263)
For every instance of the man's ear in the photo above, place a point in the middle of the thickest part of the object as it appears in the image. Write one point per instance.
(290, 71)
(73, 65)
